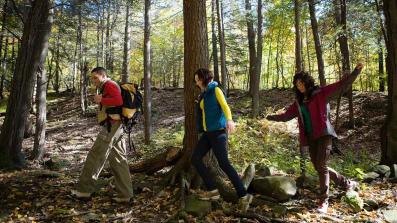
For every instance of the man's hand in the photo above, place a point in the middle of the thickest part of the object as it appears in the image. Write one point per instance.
(230, 126)
(359, 66)
(98, 98)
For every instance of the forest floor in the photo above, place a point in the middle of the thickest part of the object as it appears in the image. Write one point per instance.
(41, 193)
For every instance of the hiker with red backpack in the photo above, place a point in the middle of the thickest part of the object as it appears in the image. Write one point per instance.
(109, 144)
(315, 129)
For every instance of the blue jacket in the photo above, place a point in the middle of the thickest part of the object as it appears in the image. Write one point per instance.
(214, 117)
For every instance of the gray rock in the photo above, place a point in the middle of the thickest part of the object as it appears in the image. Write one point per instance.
(248, 175)
(197, 207)
(353, 199)
(395, 170)
(264, 171)
(368, 177)
(390, 216)
(280, 188)
(382, 170)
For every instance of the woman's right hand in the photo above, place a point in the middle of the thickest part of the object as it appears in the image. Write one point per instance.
(359, 66)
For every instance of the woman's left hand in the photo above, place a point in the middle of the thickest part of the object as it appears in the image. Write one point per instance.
(230, 126)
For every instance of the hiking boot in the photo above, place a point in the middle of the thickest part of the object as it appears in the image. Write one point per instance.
(351, 185)
(244, 202)
(323, 207)
(79, 194)
(121, 199)
(210, 195)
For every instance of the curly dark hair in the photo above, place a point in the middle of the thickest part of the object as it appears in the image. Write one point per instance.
(205, 75)
(308, 81)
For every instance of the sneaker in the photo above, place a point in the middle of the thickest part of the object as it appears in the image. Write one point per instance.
(79, 194)
(351, 185)
(210, 195)
(323, 207)
(121, 199)
(244, 202)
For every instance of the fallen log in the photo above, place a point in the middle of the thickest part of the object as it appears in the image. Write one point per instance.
(152, 165)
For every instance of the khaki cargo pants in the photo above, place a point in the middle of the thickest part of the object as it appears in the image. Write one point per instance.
(108, 146)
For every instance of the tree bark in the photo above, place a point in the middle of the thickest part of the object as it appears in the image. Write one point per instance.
(317, 43)
(258, 64)
(298, 46)
(389, 133)
(381, 66)
(214, 42)
(251, 45)
(3, 23)
(125, 75)
(147, 75)
(41, 110)
(82, 65)
(221, 35)
(195, 57)
(4, 68)
(340, 13)
(34, 40)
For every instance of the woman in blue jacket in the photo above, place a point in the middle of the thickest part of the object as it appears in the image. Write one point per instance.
(215, 122)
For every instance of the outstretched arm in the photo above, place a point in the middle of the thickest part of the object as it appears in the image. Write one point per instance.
(340, 86)
(292, 112)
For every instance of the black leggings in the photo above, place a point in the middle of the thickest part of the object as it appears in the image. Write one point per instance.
(217, 140)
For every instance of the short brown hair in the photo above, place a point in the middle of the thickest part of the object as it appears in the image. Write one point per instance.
(205, 75)
(99, 70)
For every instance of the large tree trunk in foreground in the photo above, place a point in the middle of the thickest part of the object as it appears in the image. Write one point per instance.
(196, 56)
(389, 130)
(34, 39)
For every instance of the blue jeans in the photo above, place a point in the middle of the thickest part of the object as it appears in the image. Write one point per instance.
(217, 140)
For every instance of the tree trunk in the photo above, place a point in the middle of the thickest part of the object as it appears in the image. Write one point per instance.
(3, 22)
(258, 64)
(380, 48)
(57, 68)
(82, 65)
(298, 46)
(214, 42)
(34, 40)
(195, 57)
(147, 75)
(125, 75)
(251, 45)
(381, 66)
(308, 50)
(340, 10)
(4, 68)
(221, 35)
(317, 43)
(107, 43)
(41, 114)
(389, 133)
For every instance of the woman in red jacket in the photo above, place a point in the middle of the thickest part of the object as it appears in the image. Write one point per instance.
(315, 129)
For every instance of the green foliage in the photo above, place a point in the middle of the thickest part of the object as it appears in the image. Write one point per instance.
(3, 104)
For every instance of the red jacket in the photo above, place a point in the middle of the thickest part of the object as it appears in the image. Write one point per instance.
(111, 94)
(317, 106)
